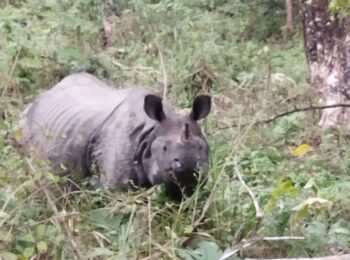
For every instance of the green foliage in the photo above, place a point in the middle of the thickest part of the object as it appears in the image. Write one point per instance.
(205, 251)
(251, 77)
(341, 7)
(45, 39)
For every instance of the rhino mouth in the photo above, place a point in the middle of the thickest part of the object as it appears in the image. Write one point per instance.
(185, 178)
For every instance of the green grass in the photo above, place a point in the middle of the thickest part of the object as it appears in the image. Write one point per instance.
(252, 80)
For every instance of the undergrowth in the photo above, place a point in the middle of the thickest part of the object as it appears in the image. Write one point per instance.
(298, 173)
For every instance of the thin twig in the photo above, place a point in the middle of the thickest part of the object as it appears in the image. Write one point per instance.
(120, 65)
(152, 257)
(128, 229)
(11, 73)
(149, 210)
(253, 241)
(258, 212)
(282, 238)
(100, 238)
(165, 78)
(59, 217)
(163, 249)
(136, 70)
(269, 120)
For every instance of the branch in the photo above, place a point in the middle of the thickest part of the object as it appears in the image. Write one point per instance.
(287, 113)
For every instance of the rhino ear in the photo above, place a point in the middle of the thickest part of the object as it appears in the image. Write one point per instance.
(154, 108)
(201, 107)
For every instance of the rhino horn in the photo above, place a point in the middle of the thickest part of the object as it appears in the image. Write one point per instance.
(185, 133)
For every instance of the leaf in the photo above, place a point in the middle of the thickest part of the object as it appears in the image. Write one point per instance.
(28, 238)
(100, 251)
(104, 219)
(63, 167)
(8, 256)
(284, 187)
(31, 63)
(188, 229)
(209, 250)
(171, 232)
(28, 251)
(304, 212)
(316, 202)
(187, 254)
(42, 247)
(317, 228)
(68, 54)
(316, 235)
(310, 183)
(266, 49)
(5, 236)
(301, 150)
(341, 230)
(40, 231)
(50, 4)
(18, 134)
(4, 215)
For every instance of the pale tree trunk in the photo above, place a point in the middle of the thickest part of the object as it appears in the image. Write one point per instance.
(327, 48)
(112, 12)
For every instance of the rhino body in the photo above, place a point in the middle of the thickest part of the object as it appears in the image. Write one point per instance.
(131, 136)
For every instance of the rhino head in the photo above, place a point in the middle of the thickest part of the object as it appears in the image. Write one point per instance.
(175, 150)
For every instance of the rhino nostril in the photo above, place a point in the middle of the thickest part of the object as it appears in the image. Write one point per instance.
(176, 164)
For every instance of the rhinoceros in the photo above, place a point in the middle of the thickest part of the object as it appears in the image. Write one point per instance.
(131, 136)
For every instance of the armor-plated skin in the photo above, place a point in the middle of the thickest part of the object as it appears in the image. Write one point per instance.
(133, 137)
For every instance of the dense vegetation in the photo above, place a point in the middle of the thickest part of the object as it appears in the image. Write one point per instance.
(297, 172)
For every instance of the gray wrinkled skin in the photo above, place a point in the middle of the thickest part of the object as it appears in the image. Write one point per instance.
(133, 137)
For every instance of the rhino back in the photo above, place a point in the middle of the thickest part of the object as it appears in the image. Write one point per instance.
(59, 122)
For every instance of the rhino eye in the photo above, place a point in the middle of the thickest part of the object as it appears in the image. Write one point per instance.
(200, 147)
(164, 148)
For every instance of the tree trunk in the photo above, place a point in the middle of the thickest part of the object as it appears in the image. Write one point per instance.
(112, 11)
(327, 48)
